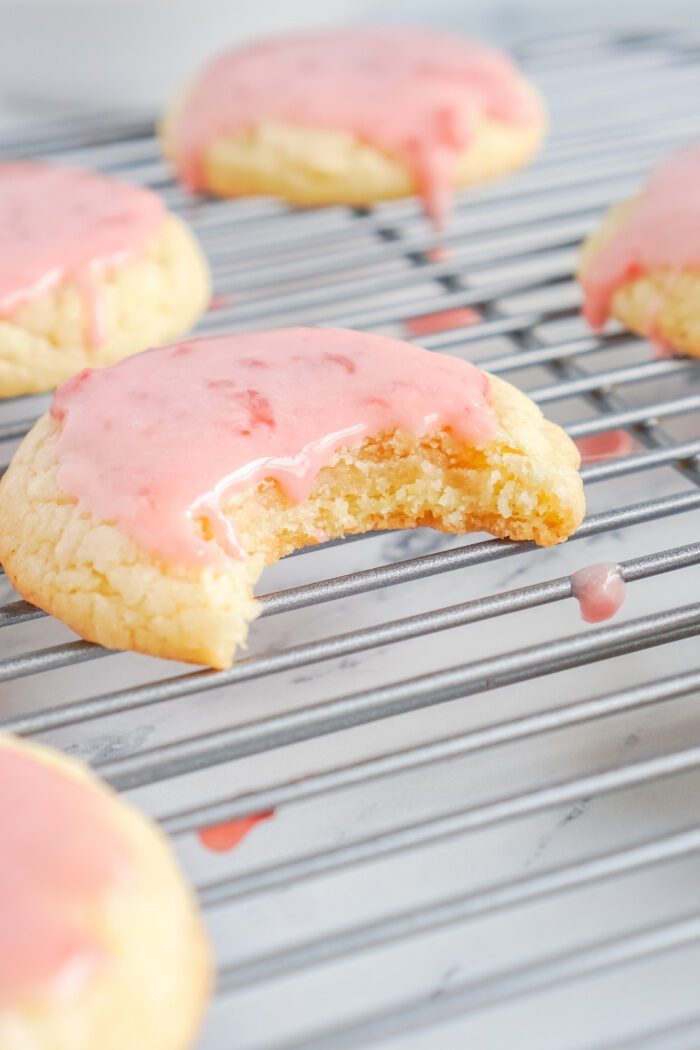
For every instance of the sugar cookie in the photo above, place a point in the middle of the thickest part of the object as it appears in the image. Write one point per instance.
(353, 117)
(91, 270)
(642, 265)
(100, 943)
(143, 509)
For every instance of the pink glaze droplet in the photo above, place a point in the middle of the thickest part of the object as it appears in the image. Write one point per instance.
(599, 591)
(659, 233)
(156, 442)
(220, 838)
(59, 851)
(601, 447)
(441, 321)
(59, 224)
(416, 94)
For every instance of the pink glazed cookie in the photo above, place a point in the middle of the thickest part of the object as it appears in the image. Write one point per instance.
(642, 265)
(100, 942)
(143, 508)
(354, 116)
(91, 270)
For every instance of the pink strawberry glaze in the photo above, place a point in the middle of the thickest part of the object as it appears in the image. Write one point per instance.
(59, 851)
(414, 93)
(154, 443)
(599, 590)
(441, 321)
(220, 838)
(597, 448)
(661, 232)
(60, 224)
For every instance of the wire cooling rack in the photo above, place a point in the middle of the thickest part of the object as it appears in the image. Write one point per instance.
(485, 825)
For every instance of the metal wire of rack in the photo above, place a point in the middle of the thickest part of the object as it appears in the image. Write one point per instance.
(485, 825)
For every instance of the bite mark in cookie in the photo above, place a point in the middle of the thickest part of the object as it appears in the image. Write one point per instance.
(143, 509)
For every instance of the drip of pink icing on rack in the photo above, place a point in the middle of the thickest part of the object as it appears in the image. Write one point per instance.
(158, 441)
(220, 838)
(220, 302)
(58, 852)
(660, 232)
(598, 448)
(599, 591)
(441, 321)
(416, 94)
(61, 225)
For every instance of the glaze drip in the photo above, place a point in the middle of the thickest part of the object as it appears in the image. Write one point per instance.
(220, 838)
(599, 591)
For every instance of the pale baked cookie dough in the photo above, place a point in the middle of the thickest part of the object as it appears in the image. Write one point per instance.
(642, 264)
(520, 482)
(91, 297)
(101, 946)
(354, 117)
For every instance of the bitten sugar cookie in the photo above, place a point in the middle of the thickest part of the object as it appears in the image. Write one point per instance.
(100, 944)
(144, 508)
(91, 270)
(643, 264)
(353, 117)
